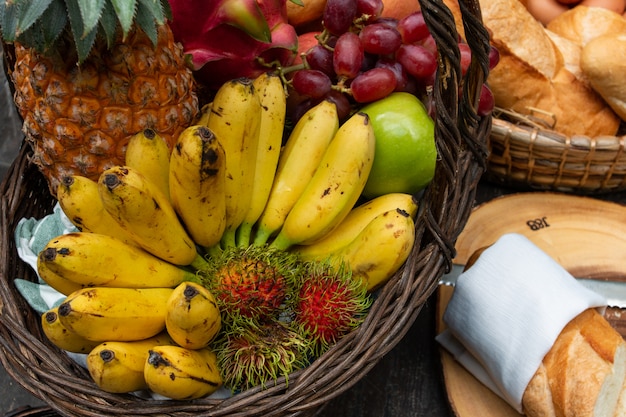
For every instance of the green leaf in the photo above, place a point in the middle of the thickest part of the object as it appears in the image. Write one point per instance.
(108, 24)
(147, 23)
(298, 2)
(83, 43)
(29, 14)
(9, 12)
(55, 23)
(90, 11)
(125, 11)
(153, 8)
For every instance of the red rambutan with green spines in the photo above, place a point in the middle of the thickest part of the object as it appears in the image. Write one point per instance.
(256, 283)
(253, 353)
(330, 303)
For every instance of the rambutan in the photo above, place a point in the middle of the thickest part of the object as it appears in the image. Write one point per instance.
(252, 354)
(330, 303)
(253, 282)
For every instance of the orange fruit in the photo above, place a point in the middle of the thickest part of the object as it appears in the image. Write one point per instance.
(400, 8)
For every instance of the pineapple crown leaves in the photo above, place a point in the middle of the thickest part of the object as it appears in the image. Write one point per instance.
(40, 24)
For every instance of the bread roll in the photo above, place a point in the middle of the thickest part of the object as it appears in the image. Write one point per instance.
(603, 61)
(532, 76)
(583, 373)
(582, 24)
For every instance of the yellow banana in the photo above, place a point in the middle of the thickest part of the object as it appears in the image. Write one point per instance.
(54, 280)
(335, 186)
(61, 336)
(205, 113)
(182, 374)
(149, 154)
(117, 367)
(297, 163)
(380, 249)
(115, 314)
(235, 120)
(355, 222)
(95, 260)
(142, 209)
(193, 317)
(271, 93)
(80, 201)
(197, 181)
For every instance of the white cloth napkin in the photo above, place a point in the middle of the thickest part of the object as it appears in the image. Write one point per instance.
(506, 312)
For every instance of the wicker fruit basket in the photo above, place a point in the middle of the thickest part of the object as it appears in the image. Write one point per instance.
(461, 136)
(527, 154)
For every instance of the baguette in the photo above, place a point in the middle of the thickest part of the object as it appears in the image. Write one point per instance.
(581, 24)
(583, 374)
(603, 61)
(532, 76)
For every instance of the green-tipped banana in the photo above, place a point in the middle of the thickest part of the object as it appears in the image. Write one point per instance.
(355, 222)
(235, 120)
(269, 88)
(61, 336)
(147, 214)
(193, 317)
(197, 184)
(182, 374)
(117, 367)
(115, 314)
(380, 249)
(297, 163)
(149, 154)
(80, 200)
(335, 186)
(94, 260)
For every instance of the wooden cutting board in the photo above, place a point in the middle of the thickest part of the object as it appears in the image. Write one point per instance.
(585, 235)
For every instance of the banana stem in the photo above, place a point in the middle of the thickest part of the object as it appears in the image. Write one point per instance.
(228, 239)
(281, 242)
(199, 263)
(261, 237)
(244, 232)
(214, 251)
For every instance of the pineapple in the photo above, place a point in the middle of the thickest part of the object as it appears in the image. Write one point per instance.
(90, 74)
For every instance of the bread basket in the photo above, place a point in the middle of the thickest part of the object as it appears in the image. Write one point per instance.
(525, 153)
(461, 136)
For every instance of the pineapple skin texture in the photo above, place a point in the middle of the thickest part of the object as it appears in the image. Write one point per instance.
(78, 119)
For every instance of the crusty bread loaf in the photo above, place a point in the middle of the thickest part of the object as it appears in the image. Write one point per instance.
(603, 61)
(532, 76)
(583, 374)
(582, 24)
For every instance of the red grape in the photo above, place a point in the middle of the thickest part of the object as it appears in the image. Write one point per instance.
(380, 39)
(413, 28)
(338, 15)
(348, 55)
(321, 59)
(417, 60)
(398, 71)
(373, 85)
(494, 57)
(312, 83)
(466, 57)
(371, 8)
(486, 102)
(342, 103)
(430, 44)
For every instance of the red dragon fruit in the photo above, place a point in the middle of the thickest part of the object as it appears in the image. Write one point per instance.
(226, 39)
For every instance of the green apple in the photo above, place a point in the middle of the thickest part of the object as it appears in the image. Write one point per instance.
(405, 156)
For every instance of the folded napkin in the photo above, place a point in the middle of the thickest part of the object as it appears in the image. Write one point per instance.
(506, 312)
(31, 237)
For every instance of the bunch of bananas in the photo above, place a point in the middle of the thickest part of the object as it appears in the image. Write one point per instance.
(232, 180)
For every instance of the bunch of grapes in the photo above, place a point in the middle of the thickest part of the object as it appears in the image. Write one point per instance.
(362, 57)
